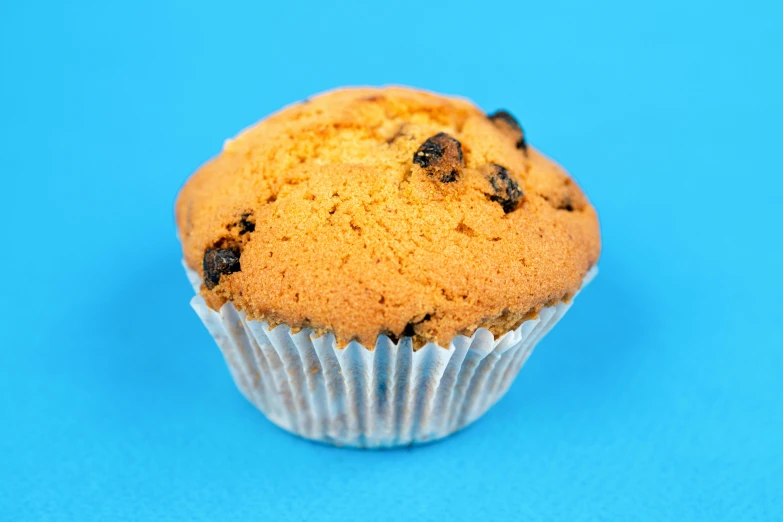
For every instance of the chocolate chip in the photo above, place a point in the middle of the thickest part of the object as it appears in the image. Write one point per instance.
(410, 328)
(566, 204)
(219, 261)
(408, 331)
(505, 189)
(245, 225)
(441, 157)
(506, 119)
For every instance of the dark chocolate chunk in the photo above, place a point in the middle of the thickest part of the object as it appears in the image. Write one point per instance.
(506, 191)
(506, 119)
(441, 157)
(245, 225)
(410, 328)
(219, 261)
(566, 204)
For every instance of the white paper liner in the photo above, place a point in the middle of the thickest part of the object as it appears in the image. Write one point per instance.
(389, 396)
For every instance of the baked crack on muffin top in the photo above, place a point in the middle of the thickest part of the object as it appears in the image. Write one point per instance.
(368, 211)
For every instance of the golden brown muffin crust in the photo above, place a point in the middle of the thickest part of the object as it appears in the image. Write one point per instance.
(386, 210)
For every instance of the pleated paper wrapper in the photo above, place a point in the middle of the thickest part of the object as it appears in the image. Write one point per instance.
(387, 396)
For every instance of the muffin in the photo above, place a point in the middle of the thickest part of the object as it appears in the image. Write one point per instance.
(376, 264)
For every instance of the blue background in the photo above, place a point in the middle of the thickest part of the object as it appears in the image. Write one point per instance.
(658, 398)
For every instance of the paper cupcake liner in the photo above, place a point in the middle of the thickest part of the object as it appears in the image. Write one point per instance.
(354, 396)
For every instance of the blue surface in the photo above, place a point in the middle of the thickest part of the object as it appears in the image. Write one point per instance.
(660, 395)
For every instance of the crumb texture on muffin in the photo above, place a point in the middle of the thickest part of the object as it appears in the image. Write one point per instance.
(370, 211)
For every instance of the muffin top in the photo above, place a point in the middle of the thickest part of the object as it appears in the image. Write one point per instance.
(368, 211)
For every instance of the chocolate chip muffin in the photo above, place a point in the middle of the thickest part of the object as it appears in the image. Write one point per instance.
(369, 211)
(386, 211)
(376, 265)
